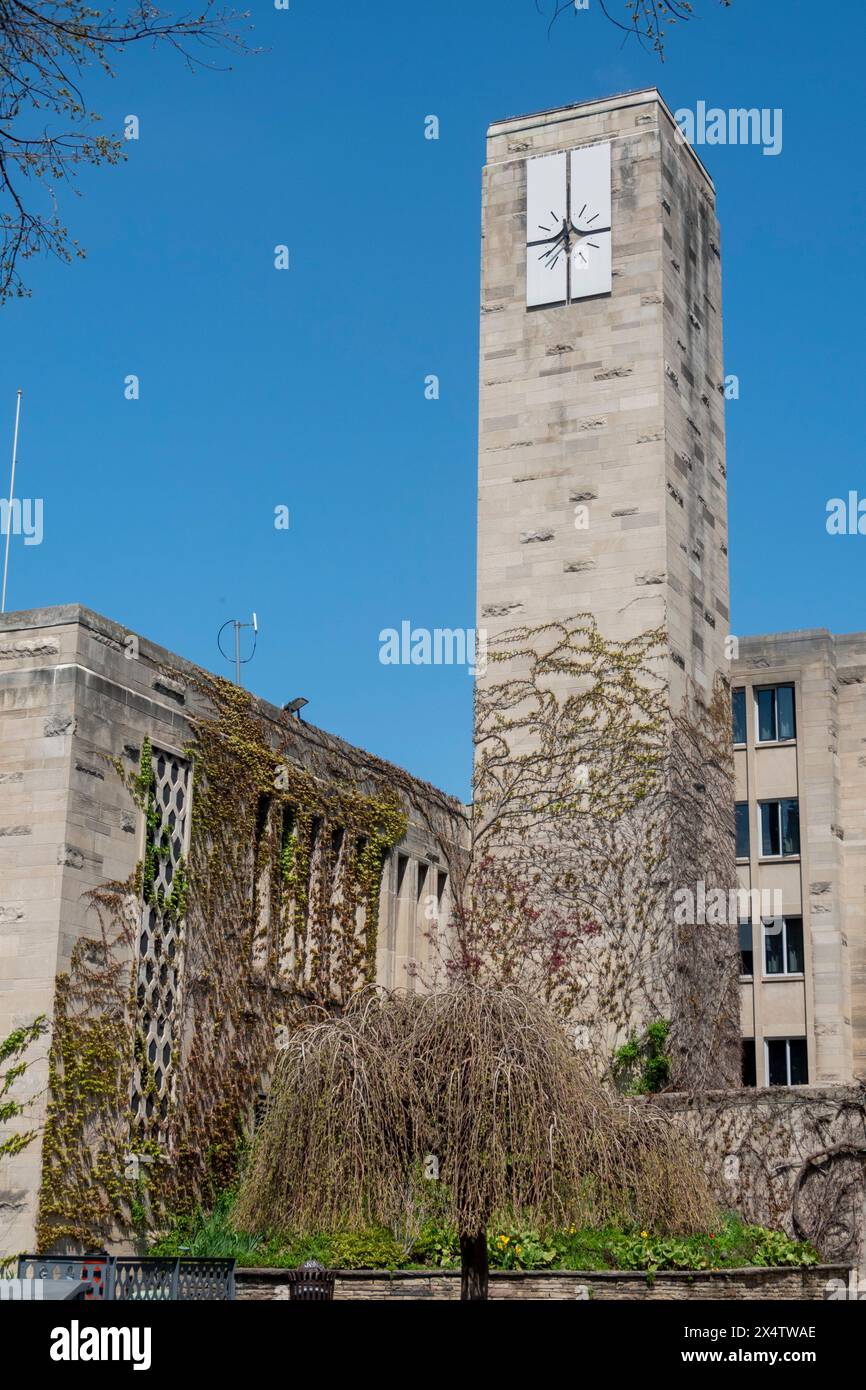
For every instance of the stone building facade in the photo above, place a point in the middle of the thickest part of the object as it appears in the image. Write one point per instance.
(601, 474)
(78, 695)
(800, 753)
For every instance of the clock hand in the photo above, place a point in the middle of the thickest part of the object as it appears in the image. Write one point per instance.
(553, 253)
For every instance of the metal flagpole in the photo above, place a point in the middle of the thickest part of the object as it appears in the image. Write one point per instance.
(11, 497)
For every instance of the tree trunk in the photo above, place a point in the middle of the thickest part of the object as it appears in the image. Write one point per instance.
(474, 1268)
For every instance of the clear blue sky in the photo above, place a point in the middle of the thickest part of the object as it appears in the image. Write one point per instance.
(305, 388)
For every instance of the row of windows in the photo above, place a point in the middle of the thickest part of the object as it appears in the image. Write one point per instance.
(785, 1062)
(782, 947)
(779, 822)
(775, 718)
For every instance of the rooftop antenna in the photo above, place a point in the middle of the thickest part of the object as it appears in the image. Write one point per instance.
(11, 498)
(237, 625)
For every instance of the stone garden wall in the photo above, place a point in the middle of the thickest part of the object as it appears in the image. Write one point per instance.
(791, 1159)
(563, 1285)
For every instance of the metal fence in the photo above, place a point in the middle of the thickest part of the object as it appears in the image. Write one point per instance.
(120, 1278)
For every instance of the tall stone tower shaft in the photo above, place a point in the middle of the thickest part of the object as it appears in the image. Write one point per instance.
(602, 491)
(601, 466)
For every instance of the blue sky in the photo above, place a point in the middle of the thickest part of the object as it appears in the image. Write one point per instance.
(305, 388)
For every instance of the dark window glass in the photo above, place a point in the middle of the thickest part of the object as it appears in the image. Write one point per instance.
(742, 810)
(748, 1061)
(794, 942)
(777, 1061)
(766, 716)
(774, 962)
(785, 709)
(799, 1064)
(770, 843)
(746, 958)
(738, 701)
(790, 826)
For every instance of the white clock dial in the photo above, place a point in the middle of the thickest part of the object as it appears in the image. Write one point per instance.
(568, 240)
(590, 188)
(546, 219)
(589, 195)
(590, 265)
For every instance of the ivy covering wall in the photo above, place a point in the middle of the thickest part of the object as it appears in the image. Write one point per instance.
(274, 909)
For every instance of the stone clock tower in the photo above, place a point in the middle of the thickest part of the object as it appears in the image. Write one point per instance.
(601, 444)
(601, 479)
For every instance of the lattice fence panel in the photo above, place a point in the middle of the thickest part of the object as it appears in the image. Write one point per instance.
(160, 951)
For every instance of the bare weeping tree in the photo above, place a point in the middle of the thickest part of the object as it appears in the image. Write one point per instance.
(486, 1085)
(646, 21)
(48, 49)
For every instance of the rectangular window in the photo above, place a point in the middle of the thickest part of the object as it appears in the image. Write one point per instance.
(750, 1077)
(783, 946)
(786, 1062)
(738, 706)
(780, 828)
(774, 709)
(742, 813)
(746, 956)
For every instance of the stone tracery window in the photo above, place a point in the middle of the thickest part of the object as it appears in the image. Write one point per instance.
(158, 971)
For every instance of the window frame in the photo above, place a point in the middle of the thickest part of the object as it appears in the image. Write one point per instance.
(787, 1041)
(743, 743)
(745, 1043)
(775, 688)
(785, 973)
(743, 858)
(741, 926)
(766, 854)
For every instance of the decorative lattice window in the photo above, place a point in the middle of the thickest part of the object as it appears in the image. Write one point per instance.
(159, 943)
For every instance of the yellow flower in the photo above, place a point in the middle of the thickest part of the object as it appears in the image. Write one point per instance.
(571, 1230)
(518, 1249)
(644, 1234)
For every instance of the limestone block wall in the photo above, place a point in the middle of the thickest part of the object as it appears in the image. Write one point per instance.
(851, 672)
(78, 693)
(793, 1159)
(825, 768)
(611, 402)
(362, 1285)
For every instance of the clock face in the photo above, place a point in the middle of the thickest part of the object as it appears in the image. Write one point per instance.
(568, 220)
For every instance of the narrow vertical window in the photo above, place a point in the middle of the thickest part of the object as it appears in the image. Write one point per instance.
(746, 952)
(766, 716)
(738, 709)
(770, 842)
(790, 818)
(749, 1072)
(742, 814)
(785, 712)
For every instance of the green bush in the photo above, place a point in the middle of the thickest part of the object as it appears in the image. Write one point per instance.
(509, 1248)
(731, 1245)
(374, 1249)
